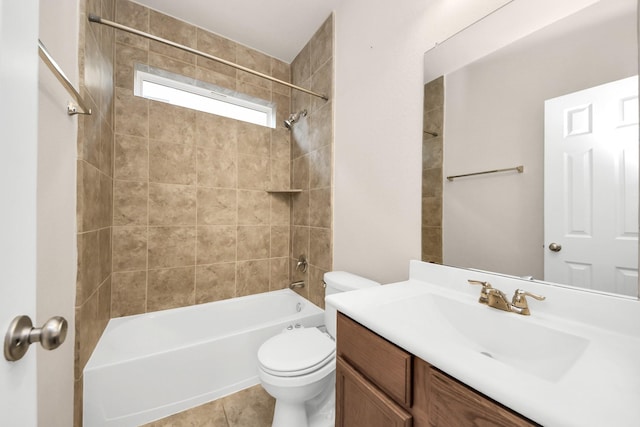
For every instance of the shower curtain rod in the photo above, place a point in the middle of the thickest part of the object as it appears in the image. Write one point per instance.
(99, 20)
(62, 78)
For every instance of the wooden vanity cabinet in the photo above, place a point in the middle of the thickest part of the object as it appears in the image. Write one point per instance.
(380, 385)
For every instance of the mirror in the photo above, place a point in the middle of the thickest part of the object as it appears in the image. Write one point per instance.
(487, 113)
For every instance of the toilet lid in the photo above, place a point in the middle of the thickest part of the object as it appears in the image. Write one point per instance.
(296, 352)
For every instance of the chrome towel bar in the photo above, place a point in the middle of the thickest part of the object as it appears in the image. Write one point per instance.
(57, 71)
(520, 169)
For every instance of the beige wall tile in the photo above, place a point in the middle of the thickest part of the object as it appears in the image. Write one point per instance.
(171, 163)
(106, 149)
(216, 132)
(321, 44)
(253, 207)
(279, 273)
(131, 113)
(218, 46)
(132, 15)
(300, 208)
(280, 236)
(300, 173)
(254, 60)
(320, 208)
(215, 282)
(131, 158)
(170, 28)
(217, 206)
(300, 242)
(322, 82)
(216, 168)
(170, 288)
(316, 287)
(104, 304)
(169, 123)
(172, 204)
(219, 79)
(431, 152)
(129, 248)
(281, 209)
(253, 172)
(126, 57)
(321, 127)
(187, 69)
(320, 248)
(434, 94)
(301, 66)
(320, 168)
(253, 242)
(280, 142)
(216, 244)
(432, 244)
(280, 174)
(254, 139)
(252, 277)
(432, 182)
(129, 293)
(280, 70)
(130, 203)
(431, 211)
(171, 247)
(89, 128)
(88, 278)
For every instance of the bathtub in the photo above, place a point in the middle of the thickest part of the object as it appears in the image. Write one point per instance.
(149, 366)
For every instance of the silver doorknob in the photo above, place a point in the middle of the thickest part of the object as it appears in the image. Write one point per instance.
(555, 247)
(22, 334)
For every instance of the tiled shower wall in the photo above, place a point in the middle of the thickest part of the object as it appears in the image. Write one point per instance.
(312, 157)
(192, 222)
(94, 188)
(432, 149)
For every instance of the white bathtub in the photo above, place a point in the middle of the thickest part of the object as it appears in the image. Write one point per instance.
(149, 366)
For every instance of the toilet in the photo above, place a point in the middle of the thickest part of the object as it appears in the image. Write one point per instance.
(297, 367)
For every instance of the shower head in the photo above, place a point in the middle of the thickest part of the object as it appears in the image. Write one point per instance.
(294, 117)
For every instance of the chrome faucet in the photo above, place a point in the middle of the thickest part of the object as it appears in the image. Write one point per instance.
(497, 299)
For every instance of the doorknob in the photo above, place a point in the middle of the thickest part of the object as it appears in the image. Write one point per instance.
(22, 334)
(555, 247)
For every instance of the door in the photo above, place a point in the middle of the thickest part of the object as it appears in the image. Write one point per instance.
(591, 188)
(18, 163)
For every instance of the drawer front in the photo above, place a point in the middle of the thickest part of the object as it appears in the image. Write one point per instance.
(360, 404)
(451, 403)
(383, 363)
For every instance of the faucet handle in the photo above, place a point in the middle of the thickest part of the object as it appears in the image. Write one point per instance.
(484, 293)
(520, 301)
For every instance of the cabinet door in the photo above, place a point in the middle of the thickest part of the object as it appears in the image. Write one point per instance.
(451, 403)
(360, 404)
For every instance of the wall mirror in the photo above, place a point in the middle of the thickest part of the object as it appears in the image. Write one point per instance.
(487, 89)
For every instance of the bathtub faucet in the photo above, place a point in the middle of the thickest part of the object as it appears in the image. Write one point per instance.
(298, 284)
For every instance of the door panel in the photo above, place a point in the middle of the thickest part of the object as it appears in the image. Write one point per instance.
(591, 188)
(18, 166)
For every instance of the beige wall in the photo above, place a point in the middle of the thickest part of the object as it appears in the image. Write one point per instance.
(433, 121)
(192, 220)
(312, 149)
(94, 188)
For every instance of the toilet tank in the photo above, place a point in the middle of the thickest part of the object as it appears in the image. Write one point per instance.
(341, 281)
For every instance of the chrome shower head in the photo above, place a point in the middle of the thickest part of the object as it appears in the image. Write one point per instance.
(294, 117)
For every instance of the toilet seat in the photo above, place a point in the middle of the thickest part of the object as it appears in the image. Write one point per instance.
(297, 352)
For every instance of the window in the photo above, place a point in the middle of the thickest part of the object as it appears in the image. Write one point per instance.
(159, 85)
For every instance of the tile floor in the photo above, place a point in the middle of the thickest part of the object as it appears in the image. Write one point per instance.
(252, 407)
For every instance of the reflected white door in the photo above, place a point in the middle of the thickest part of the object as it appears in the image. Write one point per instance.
(591, 188)
(18, 166)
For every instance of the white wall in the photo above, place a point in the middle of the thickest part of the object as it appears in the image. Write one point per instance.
(494, 119)
(378, 127)
(56, 241)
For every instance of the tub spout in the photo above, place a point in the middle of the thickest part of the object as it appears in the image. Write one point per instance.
(298, 284)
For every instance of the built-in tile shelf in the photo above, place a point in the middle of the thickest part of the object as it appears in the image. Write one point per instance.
(285, 191)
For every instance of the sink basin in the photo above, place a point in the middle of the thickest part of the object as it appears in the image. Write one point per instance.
(510, 338)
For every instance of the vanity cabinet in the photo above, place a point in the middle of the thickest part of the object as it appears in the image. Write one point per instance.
(379, 384)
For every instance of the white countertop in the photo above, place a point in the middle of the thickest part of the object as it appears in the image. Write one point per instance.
(602, 387)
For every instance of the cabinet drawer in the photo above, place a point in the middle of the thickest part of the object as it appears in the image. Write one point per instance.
(360, 404)
(385, 364)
